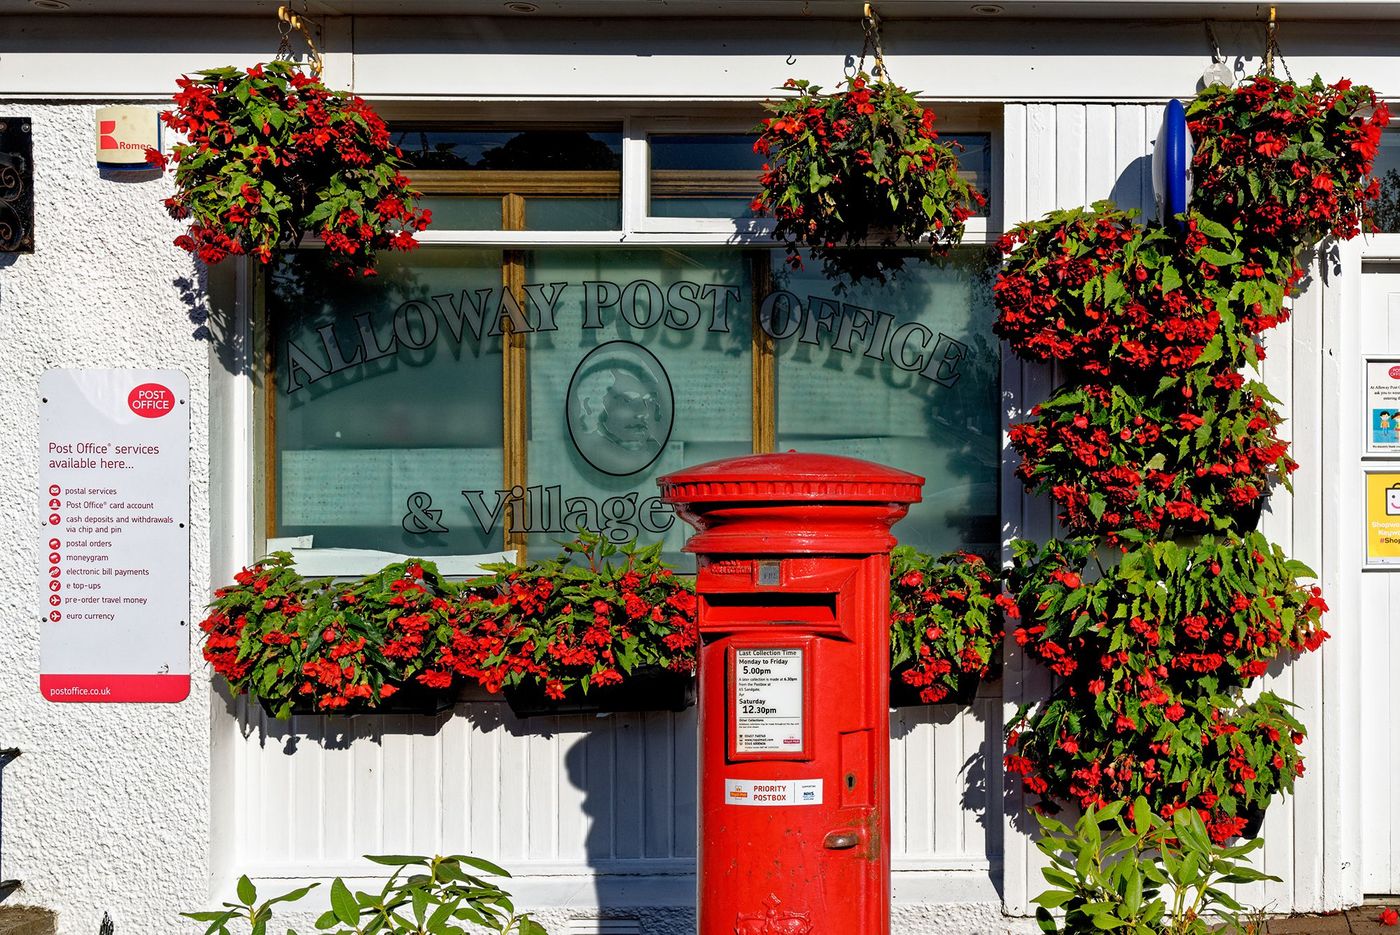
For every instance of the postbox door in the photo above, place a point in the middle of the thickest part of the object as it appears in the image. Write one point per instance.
(794, 748)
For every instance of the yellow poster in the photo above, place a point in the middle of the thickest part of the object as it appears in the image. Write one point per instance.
(1382, 518)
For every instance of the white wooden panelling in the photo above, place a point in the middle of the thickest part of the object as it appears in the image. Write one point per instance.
(570, 795)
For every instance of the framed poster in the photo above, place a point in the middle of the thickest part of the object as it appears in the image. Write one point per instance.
(1382, 406)
(1383, 519)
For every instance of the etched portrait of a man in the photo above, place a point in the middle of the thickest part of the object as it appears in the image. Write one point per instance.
(620, 408)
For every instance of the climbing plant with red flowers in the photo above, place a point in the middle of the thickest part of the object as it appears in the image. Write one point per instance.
(1162, 606)
(270, 154)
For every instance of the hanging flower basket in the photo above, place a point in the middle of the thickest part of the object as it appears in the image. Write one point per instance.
(859, 167)
(1129, 466)
(271, 154)
(1286, 164)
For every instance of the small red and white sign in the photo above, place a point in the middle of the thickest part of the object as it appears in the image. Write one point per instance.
(114, 536)
(151, 400)
(124, 134)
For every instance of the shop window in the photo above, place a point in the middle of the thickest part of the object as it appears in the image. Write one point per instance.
(711, 175)
(1387, 171)
(383, 392)
(540, 179)
(471, 400)
(475, 400)
(905, 374)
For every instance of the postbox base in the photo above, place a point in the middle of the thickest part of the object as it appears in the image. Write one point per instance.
(648, 689)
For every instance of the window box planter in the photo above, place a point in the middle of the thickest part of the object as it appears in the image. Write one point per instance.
(645, 689)
(410, 700)
(904, 695)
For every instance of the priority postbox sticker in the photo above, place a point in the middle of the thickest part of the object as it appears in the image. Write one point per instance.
(773, 791)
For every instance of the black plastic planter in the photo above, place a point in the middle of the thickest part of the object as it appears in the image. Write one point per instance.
(411, 700)
(904, 695)
(642, 690)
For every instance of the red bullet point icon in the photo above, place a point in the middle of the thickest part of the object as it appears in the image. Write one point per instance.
(55, 616)
(55, 519)
(55, 503)
(53, 558)
(54, 571)
(54, 543)
(54, 490)
(55, 600)
(54, 585)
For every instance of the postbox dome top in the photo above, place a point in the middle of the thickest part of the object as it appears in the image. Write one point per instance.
(791, 475)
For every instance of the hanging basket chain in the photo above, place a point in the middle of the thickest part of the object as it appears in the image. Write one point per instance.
(286, 22)
(870, 22)
(1271, 48)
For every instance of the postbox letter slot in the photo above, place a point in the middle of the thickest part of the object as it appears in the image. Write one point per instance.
(841, 840)
(813, 609)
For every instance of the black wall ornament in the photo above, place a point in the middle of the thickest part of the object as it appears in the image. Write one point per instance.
(16, 186)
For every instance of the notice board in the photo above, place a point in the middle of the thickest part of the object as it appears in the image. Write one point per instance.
(114, 548)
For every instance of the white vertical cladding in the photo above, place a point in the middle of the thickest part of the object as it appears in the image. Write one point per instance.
(1056, 156)
(558, 796)
(1363, 305)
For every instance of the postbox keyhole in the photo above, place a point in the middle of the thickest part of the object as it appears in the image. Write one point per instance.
(850, 782)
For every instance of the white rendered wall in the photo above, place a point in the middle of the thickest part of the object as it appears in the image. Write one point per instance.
(107, 809)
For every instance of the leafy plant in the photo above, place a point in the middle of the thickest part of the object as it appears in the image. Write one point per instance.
(271, 154)
(1194, 457)
(945, 622)
(1136, 873)
(423, 896)
(1286, 164)
(1153, 657)
(589, 617)
(859, 166)
(333, 647)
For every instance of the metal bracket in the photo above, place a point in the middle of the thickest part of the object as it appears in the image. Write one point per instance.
(7, 754)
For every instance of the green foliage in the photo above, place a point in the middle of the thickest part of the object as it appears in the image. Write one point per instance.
(946, 622)
(588, 617)
(423, 896)
(1138, 874)
(855, 167)
(271, 154)
(292, 641)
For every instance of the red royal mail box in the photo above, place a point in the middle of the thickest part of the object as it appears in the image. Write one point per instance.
(793, 585)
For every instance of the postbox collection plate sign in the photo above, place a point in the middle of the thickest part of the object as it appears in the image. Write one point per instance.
(114, 535)
(768, 700)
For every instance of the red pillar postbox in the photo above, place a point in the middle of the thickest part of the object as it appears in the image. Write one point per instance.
(793, 587)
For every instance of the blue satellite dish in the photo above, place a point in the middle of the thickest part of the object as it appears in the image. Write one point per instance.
(1171, 164)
